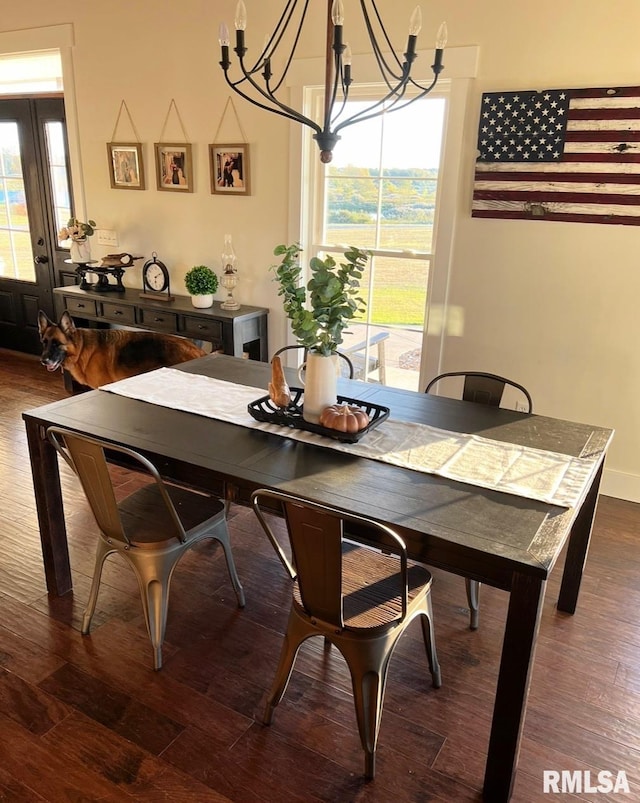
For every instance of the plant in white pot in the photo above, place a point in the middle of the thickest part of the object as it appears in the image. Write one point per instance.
(201, 283)
(319, 314)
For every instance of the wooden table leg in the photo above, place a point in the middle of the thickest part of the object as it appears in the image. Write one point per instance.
(523, 618)
(48, 494)
(578, 548)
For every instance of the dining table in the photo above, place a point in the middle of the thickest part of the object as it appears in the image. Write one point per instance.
(510, 541)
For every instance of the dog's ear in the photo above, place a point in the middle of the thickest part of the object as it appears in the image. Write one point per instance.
(67, 325)
(43, 322)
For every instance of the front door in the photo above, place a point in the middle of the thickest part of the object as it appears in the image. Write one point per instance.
(35, 201)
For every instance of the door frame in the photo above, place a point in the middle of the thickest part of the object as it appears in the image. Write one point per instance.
(52, 38)
(61, 38)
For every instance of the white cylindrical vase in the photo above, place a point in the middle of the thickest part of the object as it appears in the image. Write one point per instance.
(319, 375)
(80, 251)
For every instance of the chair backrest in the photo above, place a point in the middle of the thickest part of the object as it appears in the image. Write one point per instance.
(86, 457)
(316, 535)
(347, 362)
(483, 388)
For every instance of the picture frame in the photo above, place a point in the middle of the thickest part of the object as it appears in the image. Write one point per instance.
(230, 169)
(174, 166)
(126, 165)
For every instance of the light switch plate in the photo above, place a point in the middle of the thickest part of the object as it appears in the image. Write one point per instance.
(107, 237)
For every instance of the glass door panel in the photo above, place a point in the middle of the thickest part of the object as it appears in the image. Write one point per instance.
(16, 254)
(55, 144)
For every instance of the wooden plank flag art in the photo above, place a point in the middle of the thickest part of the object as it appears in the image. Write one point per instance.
(569, 155)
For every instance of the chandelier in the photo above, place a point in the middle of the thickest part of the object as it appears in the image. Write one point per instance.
(257, 83)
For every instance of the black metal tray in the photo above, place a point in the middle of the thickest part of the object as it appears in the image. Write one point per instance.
(264, 409)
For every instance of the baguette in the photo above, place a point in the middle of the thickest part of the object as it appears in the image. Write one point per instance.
(279, 392)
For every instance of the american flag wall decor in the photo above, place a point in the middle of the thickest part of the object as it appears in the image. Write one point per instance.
(562, 154)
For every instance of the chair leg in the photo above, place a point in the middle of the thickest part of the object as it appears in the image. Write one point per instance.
(428, 633)
(223, 537)
(155, 578)
(103, 550)
(473, 598)
(368, 663)
(296, 633)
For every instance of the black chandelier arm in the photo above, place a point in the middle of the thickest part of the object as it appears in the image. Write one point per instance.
(287, 111)
(337, 74)
(345, 96)
(373, 110)
(272, 49)
(396, 105)
(382, 63)
(289, 114)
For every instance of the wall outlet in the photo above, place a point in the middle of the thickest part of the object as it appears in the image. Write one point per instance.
(107, 237)
(521, 407)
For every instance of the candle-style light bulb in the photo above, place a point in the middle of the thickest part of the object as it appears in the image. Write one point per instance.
(223, 39)
(241, 16)
(441, 36)
(415, 22)
(441, 41)
(337, 12)
(223, 35)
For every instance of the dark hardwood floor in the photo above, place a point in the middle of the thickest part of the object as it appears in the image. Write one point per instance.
(87, 719)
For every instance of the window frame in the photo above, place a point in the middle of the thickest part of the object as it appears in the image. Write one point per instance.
(461, 66)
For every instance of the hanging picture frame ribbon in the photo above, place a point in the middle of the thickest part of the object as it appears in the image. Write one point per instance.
(174, 166)
(126, 165)
(229, 162)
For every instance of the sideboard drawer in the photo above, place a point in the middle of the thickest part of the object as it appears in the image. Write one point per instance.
(158, 320)
(203, 329)
(118, 313)
(80, 306)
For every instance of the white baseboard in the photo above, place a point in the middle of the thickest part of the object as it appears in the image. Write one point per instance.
(620, 485)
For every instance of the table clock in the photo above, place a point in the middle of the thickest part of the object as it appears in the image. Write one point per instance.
(155, 280)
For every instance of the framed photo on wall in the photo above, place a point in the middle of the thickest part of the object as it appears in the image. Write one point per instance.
(174, 167)
(126, 168)
(229, 166)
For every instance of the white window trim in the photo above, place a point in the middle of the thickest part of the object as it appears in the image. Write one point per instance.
(460, 68)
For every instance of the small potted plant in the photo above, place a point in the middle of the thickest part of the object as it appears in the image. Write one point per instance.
(201, 283)
(319, 314)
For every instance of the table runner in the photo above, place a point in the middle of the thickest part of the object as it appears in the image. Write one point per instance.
(533, 473)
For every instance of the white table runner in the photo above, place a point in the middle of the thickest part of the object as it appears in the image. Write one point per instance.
(533, 473)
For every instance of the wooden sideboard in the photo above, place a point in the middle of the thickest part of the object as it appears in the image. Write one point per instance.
(234, 332)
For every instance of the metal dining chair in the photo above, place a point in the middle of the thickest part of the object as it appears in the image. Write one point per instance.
(359, 598)
(152, 528)
(481, 388)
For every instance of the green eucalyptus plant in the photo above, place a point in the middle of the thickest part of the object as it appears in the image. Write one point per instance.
(201, 281)
(321, 311)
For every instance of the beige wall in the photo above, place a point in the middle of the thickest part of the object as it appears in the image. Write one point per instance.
(553, 305)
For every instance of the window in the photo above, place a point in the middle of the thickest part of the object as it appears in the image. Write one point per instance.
(379, 193)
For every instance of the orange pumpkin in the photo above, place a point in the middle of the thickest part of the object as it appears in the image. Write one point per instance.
(344, 418)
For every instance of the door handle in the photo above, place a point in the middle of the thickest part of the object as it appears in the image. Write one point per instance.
(41, 260)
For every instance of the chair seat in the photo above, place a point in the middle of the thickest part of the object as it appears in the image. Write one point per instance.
(371, 589)
(147, 520)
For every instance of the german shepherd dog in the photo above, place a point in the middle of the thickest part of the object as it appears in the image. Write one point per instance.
(96, 357)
